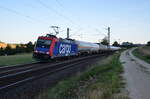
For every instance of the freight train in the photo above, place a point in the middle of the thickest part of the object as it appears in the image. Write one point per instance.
(51, 47)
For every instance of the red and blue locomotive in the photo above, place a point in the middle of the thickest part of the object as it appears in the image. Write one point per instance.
(49, 47)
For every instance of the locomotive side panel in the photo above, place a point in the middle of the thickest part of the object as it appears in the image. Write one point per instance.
(65, 49)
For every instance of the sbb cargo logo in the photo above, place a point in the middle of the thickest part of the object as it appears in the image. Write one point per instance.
(64, 49)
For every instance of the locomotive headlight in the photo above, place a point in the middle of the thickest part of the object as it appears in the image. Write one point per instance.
(47, 53)
(36, 51)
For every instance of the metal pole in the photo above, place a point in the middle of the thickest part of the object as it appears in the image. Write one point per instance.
(67, 33)
(109, 37)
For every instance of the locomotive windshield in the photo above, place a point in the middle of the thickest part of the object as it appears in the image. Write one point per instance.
(43, 43)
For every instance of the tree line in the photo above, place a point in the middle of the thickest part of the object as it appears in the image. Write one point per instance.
(124, 44)
(20, 48)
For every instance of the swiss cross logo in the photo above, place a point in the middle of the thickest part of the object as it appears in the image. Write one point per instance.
(64, 49)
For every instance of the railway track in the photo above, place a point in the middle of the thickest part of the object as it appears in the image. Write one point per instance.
(16, 76)
(6, 68)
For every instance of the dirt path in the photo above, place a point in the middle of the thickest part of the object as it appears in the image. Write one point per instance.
(137, 75)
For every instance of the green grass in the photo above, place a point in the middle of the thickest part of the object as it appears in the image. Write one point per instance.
(101, 81)
(16, 59)
(138, 54)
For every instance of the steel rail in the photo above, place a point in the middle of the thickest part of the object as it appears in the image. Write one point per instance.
(16, 78)
(10, 67)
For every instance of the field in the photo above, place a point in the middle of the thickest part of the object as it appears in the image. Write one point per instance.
(16, 59)
(101, 81)
(143, 53)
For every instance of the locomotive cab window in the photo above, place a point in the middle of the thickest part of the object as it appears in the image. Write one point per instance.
(43, 43)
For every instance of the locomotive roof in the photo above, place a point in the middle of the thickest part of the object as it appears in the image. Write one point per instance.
(66, 40)
(48, 37)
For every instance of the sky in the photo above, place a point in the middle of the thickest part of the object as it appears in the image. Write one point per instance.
(22, 21)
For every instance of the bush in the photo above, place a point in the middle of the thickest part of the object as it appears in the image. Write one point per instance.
(20, 48)
(29, 47)
(2, 51)
(148, 43)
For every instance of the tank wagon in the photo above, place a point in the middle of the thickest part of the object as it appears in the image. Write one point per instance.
(50, 47)
(87, 47)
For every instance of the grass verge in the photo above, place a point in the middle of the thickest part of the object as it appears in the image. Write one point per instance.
(100, 81)
(16, 59)
(140, 54)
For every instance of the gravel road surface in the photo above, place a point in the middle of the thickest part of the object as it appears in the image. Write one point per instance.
(137, 75)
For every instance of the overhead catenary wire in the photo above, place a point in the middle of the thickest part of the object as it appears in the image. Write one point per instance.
(97, 30)
(58, 2)
(54, 11)
(76, 32)
(105, 35)
(58, 13)
(38, 20)
(21, 14)
(62, 6)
